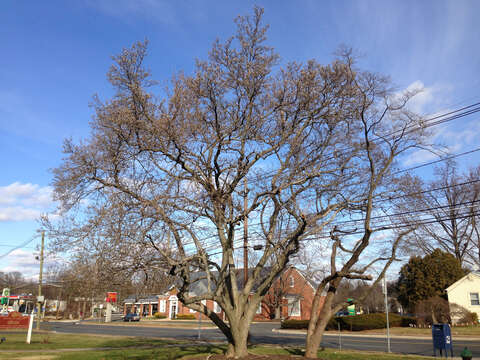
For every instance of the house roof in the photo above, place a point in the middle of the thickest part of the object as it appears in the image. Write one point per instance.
(130, 300)
(148, 299)
(458, 282)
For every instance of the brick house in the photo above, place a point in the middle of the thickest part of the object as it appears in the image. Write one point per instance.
(290, 297)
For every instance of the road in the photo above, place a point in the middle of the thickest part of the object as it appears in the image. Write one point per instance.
(261, 333)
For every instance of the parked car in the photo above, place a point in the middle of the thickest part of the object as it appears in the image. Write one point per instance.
(131, 317)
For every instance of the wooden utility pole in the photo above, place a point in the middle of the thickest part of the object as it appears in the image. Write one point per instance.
(245, 233)
(40, 278)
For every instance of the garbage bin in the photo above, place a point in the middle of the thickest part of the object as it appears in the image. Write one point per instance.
(442, 339)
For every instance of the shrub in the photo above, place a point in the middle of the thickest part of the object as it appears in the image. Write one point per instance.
(469, 318)
(157, 315)
(355, 323)
(294, 324)
(185, 317)
(409, 321)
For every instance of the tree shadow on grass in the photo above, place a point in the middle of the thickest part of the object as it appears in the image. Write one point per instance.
(294, 351)
(172, 353)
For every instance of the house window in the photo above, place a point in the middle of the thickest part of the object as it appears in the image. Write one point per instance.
(474, 300)
(163, 304)
(294, 306)
(292, 281)
(216, 307)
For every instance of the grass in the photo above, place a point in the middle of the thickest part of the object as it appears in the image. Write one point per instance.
(51, 341)
(48, 345)
(185, 352)
(332, 354)
(407, 331)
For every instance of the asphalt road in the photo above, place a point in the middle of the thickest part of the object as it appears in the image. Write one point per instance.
(261, 333)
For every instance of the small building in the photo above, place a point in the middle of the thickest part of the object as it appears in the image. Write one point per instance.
(290, 297)
(465, 292)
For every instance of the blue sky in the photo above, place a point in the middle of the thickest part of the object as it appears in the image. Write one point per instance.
(55, 54)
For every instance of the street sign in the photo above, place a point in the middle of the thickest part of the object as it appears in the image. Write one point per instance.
(351, 307)
(111, 297)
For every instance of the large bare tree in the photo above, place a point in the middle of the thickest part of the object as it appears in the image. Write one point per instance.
(168, 174)
(174, 177)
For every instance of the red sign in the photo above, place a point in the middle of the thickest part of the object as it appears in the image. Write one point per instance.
(14, 320)
(112, 297)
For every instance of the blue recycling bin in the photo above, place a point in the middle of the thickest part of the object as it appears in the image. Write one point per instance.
(442, 339)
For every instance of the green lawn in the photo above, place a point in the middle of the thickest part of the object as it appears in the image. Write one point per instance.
(406, 331)
(47, 345)
(49, 341)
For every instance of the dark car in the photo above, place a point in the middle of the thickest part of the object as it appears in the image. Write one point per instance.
(131, 317)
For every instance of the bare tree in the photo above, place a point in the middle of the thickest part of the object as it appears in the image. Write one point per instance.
(447, 211)
(164, 177)
(168, 174)
(388, 130)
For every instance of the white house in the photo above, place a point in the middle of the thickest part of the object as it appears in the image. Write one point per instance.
(466, 293)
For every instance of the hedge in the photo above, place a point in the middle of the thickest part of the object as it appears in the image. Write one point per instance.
(158, 315)
(355, 323)
(185, 317)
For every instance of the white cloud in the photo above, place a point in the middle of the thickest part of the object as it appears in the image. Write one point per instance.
(26, 263)
(429, 99)
(458, 136)
(19, 202)
(23, 262)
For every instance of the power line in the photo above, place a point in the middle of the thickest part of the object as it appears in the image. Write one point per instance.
(443, 118)
(383, 228)
(17, 247)
(437, 161)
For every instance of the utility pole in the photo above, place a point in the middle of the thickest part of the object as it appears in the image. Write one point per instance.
(40, 278)
(245, 232)
(386, 312)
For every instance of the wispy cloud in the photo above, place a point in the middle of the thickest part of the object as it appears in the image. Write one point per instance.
(456, 137)
(157, 10)
(447, 138)
(19, 202)
(27, 264)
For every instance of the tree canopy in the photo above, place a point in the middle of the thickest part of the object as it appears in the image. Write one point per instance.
(427, 277)
(165, 181)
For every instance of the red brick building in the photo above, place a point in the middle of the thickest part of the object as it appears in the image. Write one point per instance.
(290, 297)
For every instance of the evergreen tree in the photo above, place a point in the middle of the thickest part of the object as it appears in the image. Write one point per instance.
(424, 278)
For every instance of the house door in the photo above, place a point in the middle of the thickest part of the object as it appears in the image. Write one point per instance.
(173, 309)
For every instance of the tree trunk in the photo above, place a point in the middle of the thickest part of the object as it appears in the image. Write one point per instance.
(314, 339)
(238, 348)
(316, 330)
(277, 312)
(236, 332)
(83, 309)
